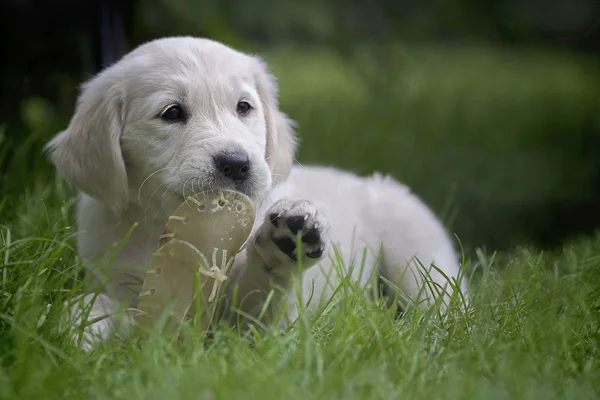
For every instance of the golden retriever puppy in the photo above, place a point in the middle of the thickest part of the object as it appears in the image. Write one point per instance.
(182, 114)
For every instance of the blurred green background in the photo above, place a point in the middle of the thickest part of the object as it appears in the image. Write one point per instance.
(490, 111)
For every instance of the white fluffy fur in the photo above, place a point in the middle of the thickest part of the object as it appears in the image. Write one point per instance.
(132, 168)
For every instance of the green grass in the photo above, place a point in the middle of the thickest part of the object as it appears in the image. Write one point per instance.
(435, 120)
(532, 331)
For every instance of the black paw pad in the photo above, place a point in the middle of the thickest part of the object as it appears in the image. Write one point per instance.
(315, 253)
(286, 245)
(274, 218)
(295, 223)
(311, 237)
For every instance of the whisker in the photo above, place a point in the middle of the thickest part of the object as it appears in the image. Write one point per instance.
(150, 199)
(161, 207)
(146, 180)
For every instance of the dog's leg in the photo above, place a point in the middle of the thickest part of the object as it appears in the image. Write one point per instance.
(91, 319)
(94, 318)
(273, 260)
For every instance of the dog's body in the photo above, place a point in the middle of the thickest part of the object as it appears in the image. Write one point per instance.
(179, 115)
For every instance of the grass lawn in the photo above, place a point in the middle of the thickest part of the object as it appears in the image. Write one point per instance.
(532, 330)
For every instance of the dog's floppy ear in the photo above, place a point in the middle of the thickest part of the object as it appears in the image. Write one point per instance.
(88, 153)
(281, 140)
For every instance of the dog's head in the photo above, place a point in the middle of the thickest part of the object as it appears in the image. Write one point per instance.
(176, 116)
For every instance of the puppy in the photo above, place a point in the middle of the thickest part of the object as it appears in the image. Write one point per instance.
(180, 115)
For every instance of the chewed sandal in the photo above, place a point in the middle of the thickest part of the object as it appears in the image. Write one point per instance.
(196, 251)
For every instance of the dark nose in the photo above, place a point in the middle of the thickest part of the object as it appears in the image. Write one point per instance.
(235, 166)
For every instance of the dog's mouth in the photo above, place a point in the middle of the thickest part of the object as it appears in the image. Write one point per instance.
(247, 188)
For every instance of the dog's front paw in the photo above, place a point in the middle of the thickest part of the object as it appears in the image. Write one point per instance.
(284, 221)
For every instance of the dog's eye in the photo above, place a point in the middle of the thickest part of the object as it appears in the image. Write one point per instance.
(172, 114)
(243, 108)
